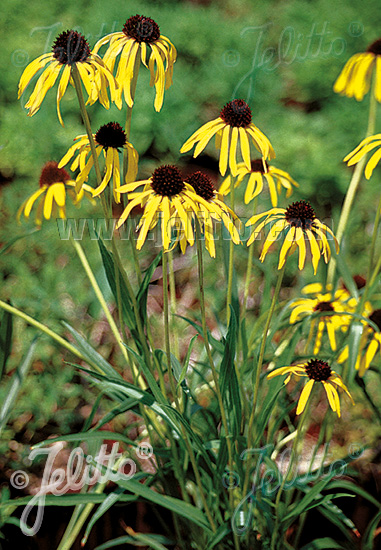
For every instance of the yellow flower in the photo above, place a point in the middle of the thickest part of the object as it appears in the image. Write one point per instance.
(69, 50)
(209, 206)
(109, 139)
(320, 301)
(354, 80)
(299, 223)
(370, 342)
(138, 32)
(55, 184)
(167, 196)
(317, 371)
(232, 126)
(260, 173)
(363, 149)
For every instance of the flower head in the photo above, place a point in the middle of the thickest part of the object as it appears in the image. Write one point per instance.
(109, 140)
(324, 304)
(299, 223)
(232, 126)
(370, 343)
(354, 80)
(367, 144)
(167, 195)
(131, 43)
(70, 52)
(55, 184)
(317, 371)
(210, 206)
(260, 173)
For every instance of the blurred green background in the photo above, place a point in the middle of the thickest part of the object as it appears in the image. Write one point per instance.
(282, 57)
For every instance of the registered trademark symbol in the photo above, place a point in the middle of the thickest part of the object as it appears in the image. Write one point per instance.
(355, 29)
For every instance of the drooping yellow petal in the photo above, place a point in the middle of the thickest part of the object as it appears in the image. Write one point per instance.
(245, 147)
(331, 394)
(48, 202)
(59, 194)
(288, 241)
(304, 396)
(223, 164)
(32, 199)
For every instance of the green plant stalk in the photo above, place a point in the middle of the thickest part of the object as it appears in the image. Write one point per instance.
(174, 393)
(127, 130)
(231, 260)
(371, 257)
(354, 183)
(259, 366)
(68, 541)
(86, 120)
(99, 295)
(173, 309)
(45, 329)
(166, 329)
(248, 269)
(294, 454)
(200, 265)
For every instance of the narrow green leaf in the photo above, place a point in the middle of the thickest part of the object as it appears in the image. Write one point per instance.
(15, 239)
(141, 297)
(15, 385)
(228, 378)
(111, 269)
(138, 541)
(311, 494)
(186, 360)
(216, 344)
(69, 499)
(348, 486)
(369, 535)
(223, 530)
(323, 544)
(93, 358)
(111, 499)
(6, 329)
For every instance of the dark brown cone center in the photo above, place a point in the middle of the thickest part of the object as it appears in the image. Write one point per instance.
(259, 165)
(318, 370)
(300, 214)
(142, 29)
(376, 317)
(71, 47)
(375, 47)
(324, 306)
(202, 184)
(111, 135)
(167, 181)
(236, 113)
(52, 174)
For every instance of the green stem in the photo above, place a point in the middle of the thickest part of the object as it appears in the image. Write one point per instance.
(172, 292)
(294, 455)
(259, 367)
(166, 328)
(248, 269)
(127, 130)
(211, 363)
(231, 261)
(353, 185)
(43, 328)
(371, 257)
(99, 295)
(174, 393)
(68, 541)
(86, 120)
